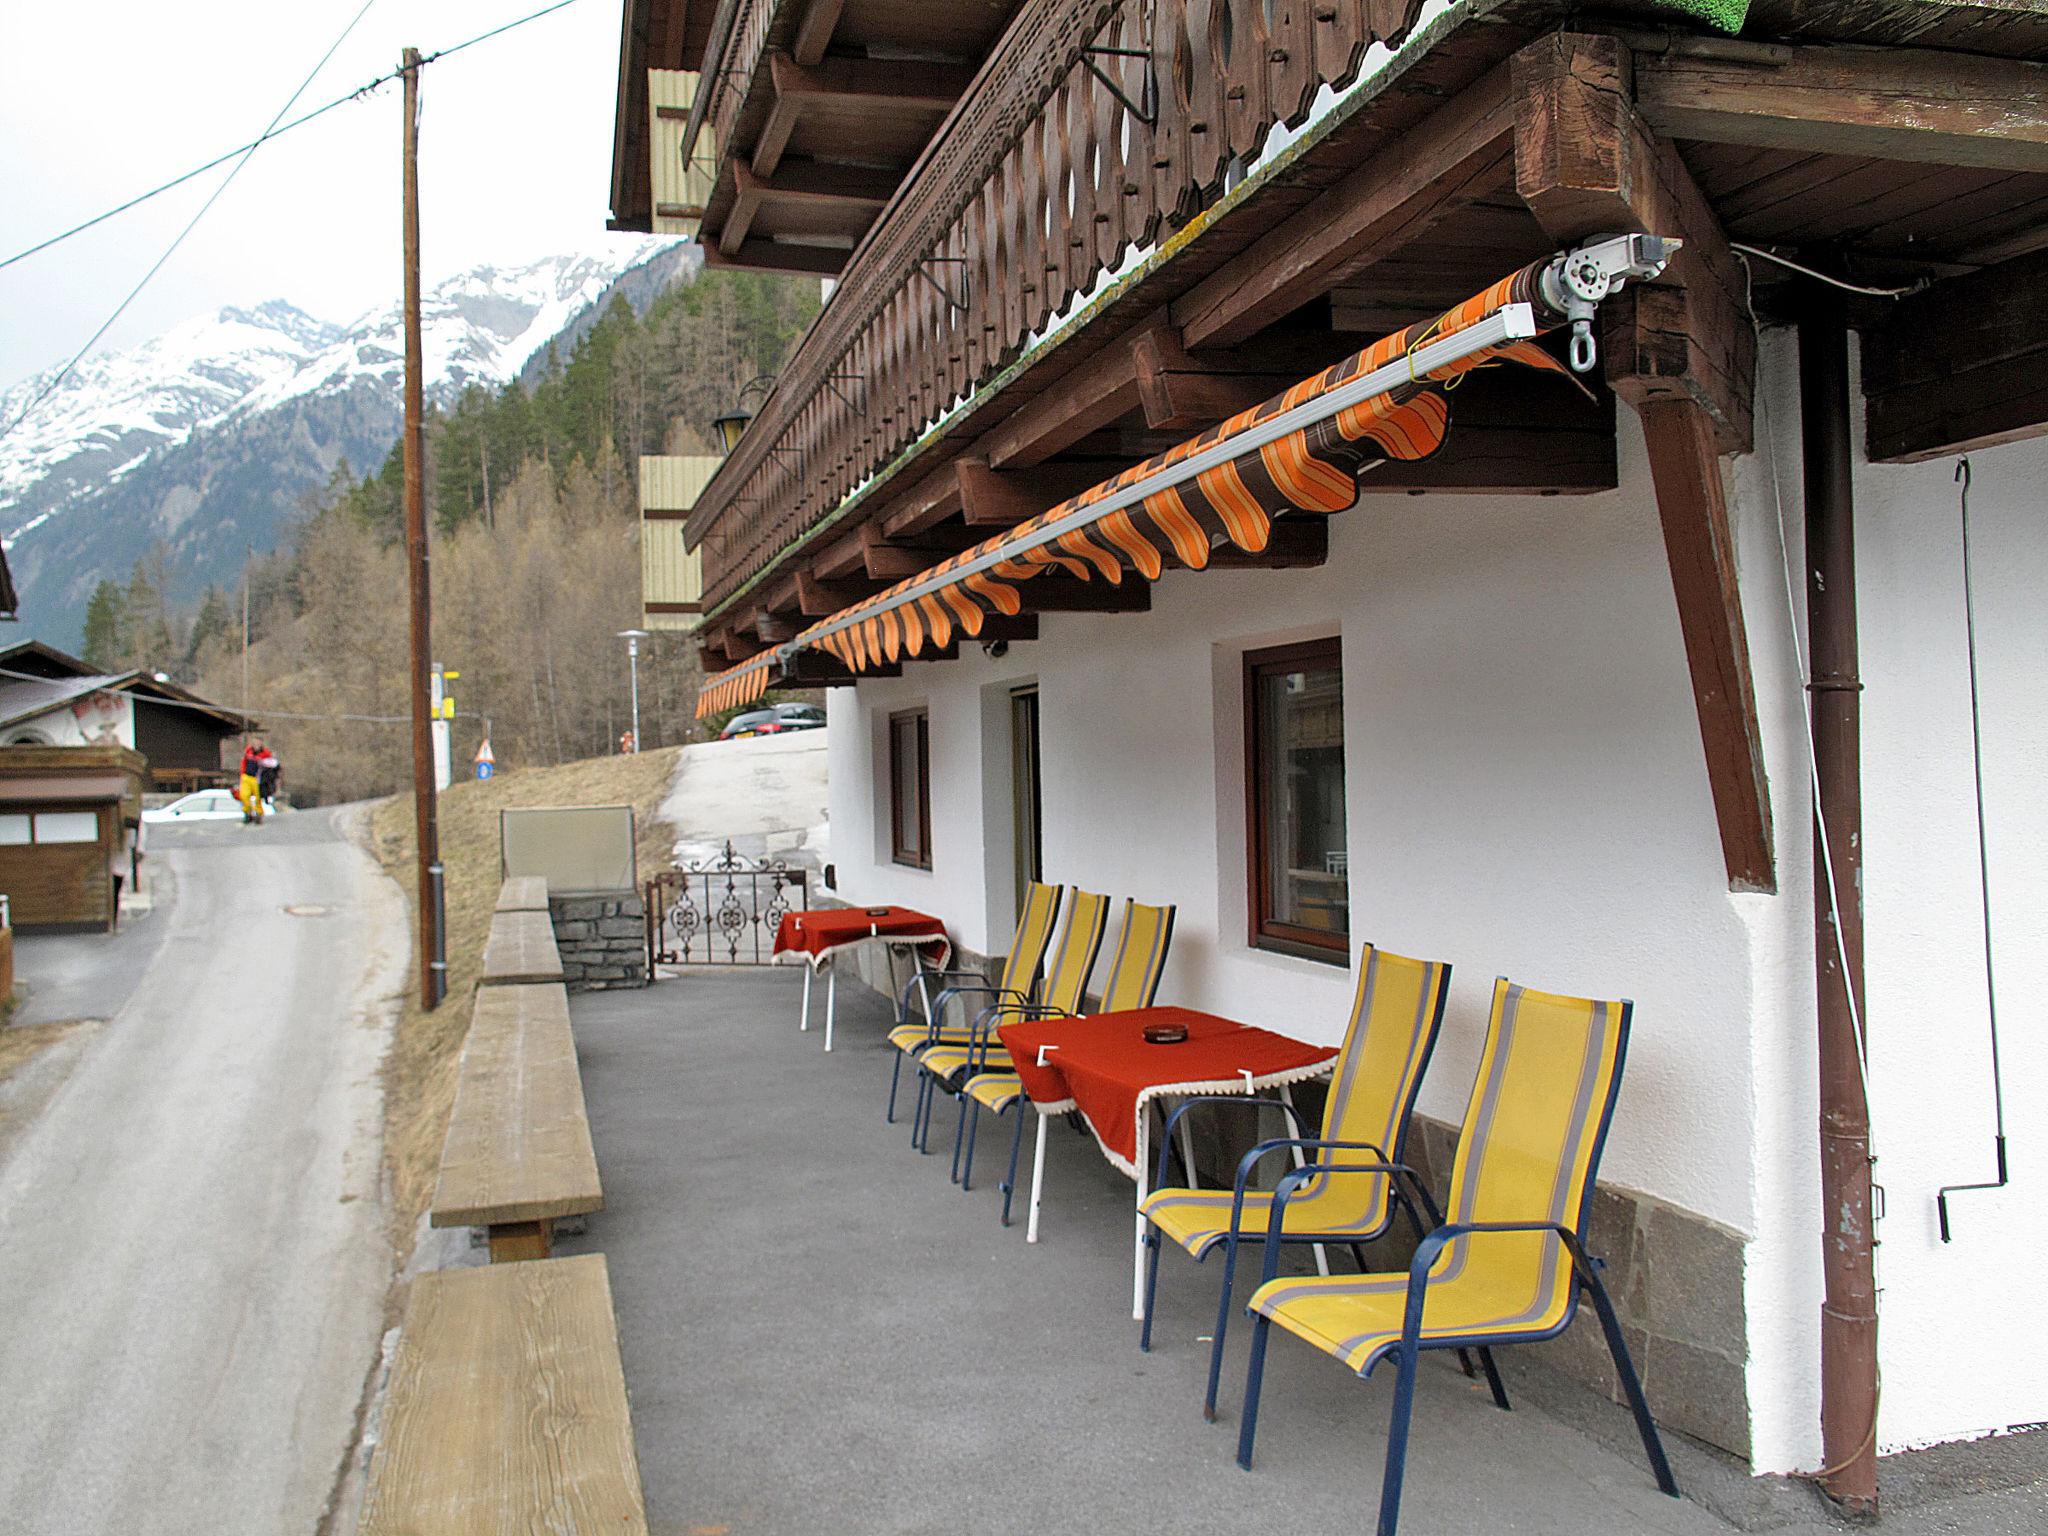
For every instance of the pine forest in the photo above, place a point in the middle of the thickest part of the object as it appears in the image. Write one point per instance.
(532, 502)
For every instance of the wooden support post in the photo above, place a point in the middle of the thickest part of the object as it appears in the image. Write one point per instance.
(1684, 358)
(1587, 164)
(1693, 508)
(520, 1240)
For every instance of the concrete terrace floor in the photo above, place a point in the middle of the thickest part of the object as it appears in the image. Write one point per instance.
(822, 1333)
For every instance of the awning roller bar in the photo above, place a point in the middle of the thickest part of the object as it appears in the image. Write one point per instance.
(1569, 288)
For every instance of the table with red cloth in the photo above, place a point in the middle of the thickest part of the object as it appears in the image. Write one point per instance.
(813, 938)
(1104, 1067)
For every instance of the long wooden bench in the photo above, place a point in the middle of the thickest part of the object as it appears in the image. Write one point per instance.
(518, 1150)
(523, 893)
(507, 1409)
(521, 950)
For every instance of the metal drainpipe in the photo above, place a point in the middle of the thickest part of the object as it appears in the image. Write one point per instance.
(1848, 1342)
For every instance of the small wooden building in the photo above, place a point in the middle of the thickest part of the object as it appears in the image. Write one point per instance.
(70, 822)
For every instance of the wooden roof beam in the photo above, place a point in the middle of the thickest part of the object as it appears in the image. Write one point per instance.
(1913, 104)
(777, 256)
(1181, 392)
(885, 88)
(814, 32)
(995, 498)
(846, 195)
(1455, 157)
(1959, 367)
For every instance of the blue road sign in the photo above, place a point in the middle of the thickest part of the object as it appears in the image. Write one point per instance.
(483, 770)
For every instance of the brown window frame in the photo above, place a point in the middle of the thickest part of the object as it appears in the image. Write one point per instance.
(1264, 930)
(919, 857)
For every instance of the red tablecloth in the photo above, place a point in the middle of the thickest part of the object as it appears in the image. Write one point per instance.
(814, 934)
(1103, 1066)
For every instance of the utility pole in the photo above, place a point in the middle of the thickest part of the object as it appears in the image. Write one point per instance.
(247, 556)
(426, 826)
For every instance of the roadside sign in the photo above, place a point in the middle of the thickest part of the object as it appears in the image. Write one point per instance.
(483, 753)
(483, 770)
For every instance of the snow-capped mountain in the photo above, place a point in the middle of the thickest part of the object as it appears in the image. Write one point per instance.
(206, 437)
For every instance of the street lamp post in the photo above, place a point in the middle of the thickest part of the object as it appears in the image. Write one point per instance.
(633, 637)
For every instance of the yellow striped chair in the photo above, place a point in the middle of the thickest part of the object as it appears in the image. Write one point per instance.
(1133, 982)
(1066, 986)
(1508, 1266)
(1395, 1015)
(1020, 975)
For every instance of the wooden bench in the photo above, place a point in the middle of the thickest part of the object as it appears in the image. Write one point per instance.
(507, 1409)
(518, 1151)
(520, 950)
(523, 893)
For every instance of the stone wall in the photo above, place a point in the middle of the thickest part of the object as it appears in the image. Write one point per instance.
(602, 939)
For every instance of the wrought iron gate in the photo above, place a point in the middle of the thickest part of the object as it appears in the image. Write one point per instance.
(722, 910)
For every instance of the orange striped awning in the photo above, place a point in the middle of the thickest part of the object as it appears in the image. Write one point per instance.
(1299, 453)
(738, 686)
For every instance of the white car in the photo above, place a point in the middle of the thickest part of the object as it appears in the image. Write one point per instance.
(204, 805)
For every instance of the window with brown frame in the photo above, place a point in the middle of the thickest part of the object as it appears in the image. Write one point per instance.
(910, 788)
(1294, 790)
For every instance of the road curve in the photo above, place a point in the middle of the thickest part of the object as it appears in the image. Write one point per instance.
(193, 1258)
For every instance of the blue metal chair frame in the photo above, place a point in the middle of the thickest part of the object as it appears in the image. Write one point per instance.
(1246, 1167)
(935, 1010)
(1408, 1349)
(969, 1120)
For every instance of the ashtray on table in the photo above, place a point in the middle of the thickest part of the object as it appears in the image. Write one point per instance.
(1165, 1034)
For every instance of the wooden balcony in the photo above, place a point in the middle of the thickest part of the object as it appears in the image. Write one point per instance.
(1104, 247)
(808, 115)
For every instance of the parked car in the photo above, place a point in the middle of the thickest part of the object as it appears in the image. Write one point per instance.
(773, 721)
(204, 805)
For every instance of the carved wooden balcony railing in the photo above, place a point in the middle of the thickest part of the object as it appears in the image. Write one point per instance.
(1092, 128)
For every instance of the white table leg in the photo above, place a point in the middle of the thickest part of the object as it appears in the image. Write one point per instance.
(1187, 1155)
(831, 1000)
(804, 1028)
(1144, 1188)
(1037, 1178)
(1322, 1254)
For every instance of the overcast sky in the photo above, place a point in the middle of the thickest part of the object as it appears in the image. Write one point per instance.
(99, 102)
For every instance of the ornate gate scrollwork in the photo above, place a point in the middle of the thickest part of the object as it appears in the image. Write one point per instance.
(721, 911)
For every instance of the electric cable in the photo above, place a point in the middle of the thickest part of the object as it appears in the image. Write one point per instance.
(1821, 277)
(244, 151)
(190, 224)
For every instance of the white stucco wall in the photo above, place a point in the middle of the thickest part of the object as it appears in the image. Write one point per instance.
(1527, 797)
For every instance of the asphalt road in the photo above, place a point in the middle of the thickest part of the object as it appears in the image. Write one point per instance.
(192, 1251)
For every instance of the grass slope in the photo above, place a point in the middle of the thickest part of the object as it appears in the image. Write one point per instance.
(419, 1073)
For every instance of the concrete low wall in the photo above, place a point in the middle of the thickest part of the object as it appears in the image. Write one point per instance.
(602, 939)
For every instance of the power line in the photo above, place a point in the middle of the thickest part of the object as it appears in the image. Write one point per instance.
(190, 224)
(274, 130)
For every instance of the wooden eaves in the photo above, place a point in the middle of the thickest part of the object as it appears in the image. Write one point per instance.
(1489, 143)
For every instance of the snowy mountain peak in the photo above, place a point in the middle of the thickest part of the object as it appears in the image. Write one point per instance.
(118, 409)
(202, 441)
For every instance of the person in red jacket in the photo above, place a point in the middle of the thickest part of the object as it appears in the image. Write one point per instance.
(250, 791)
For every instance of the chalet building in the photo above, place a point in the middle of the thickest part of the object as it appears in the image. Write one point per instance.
(1207, 484)
(48, 698)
